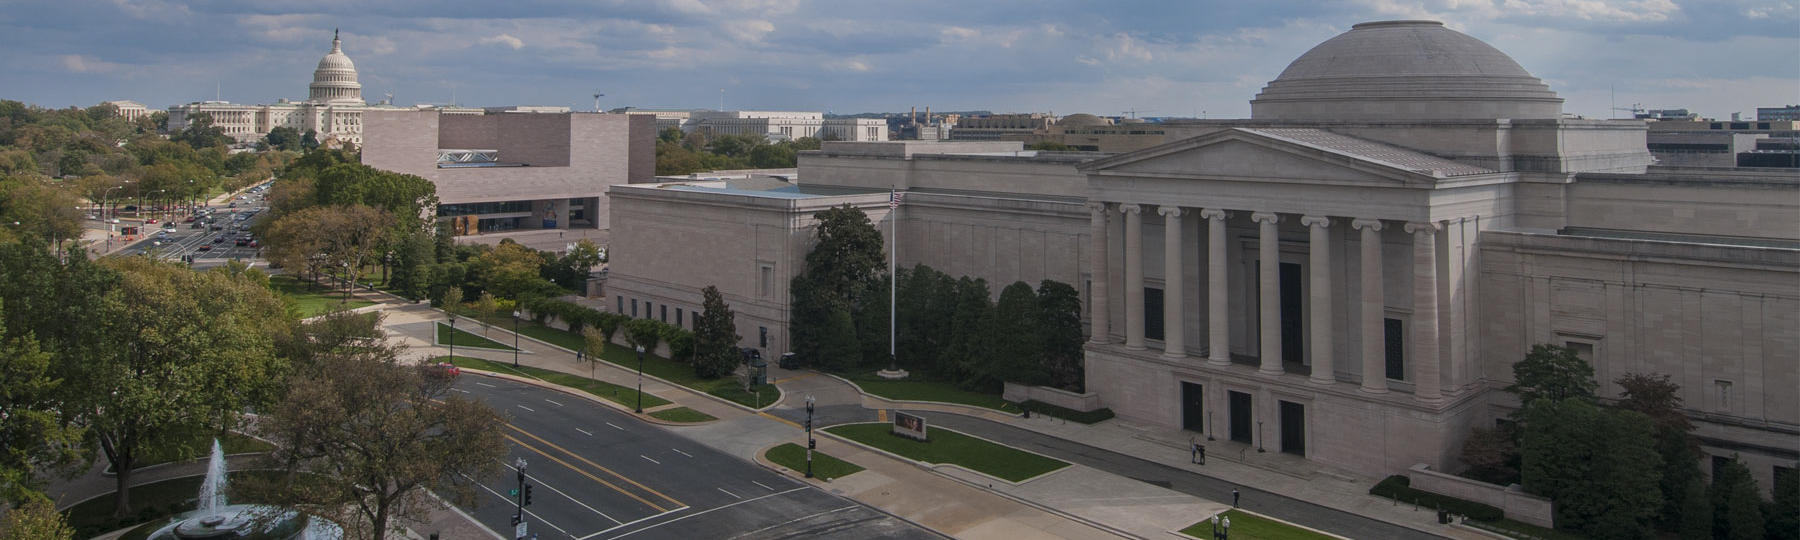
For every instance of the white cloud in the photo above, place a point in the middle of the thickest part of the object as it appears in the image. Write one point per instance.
(958, 33)
(686, 7)
(750, 31)
(1125, 49)
(848, 65)
(76, 63)
(503, 39)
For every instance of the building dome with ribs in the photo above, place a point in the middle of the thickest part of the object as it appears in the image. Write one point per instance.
(1404, 70)
(335, 79)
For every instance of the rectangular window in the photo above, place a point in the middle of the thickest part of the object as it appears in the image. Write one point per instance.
(762, 336)
(649, 310)
(634, 308)
(621, 308)
(1153, 314)
(665, 313)
(678, 318)
(1583, 350)
(766, 286)
(1396, 348)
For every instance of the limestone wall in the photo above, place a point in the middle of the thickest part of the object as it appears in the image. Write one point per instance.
(1020, 393)
(1517, 504)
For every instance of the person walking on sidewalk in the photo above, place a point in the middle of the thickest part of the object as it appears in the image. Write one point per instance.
(1234, 497)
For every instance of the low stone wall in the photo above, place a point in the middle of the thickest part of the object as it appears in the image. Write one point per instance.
(1517, 504)
(1019, 393)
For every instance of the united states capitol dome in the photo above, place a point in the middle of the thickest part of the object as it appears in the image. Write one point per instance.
(1404, 70)
(335, 79)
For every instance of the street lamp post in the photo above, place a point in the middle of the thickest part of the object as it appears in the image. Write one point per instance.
(640, 393)
(810, 443)
(515, 339)
(452, 315)
(105, 196)
(1259, 437)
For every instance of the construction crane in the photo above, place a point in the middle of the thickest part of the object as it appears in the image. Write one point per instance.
(597, 96)
(1134, 112)
(1636, 110)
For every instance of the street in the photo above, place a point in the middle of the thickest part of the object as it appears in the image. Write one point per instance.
(601, 474)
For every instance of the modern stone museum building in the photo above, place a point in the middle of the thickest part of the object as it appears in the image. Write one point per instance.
(1348, 275)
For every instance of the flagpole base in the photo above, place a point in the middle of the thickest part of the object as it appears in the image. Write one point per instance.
(892, 374)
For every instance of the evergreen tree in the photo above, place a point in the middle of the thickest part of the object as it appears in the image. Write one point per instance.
(807, 317)
(871, 317)
(1016, 344)
(966, 356)
(1696, 512)
(843, 263)
(838, 347)
(1059, 309)
(1655, 396)
(1599, 466)
(1737, 504)
(927, 299)
(1784, 511)
(715, 337)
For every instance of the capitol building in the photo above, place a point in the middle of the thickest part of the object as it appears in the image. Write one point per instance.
(333, 108)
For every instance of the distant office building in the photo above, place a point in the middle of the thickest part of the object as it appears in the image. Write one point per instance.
(774, 125)
(129, 110)
(1790, 112)
(1091, 133)
(992, 127)
(1723, 143)
(333, 108)
(503, 172)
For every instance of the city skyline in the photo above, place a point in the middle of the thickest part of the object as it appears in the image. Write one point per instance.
(1160, 58)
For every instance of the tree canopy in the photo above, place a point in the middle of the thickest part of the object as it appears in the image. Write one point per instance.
(715, 336)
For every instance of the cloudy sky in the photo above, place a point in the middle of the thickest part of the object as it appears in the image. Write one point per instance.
(1158, 57)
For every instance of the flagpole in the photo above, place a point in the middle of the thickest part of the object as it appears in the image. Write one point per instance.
(893, 275)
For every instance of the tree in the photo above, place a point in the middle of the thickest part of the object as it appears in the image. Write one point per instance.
(847, 254)
(872, 327)
(338, 238)
(201, 133)
(966, 356)
(838, 347)
(715, 336)
(1696, 512)
(571, 270)
(283, 138)
(309, 141)
(185, 351)
(1059, 309)
(509, 269)
(485, 305)
(31, 431)
(1491, 454)
(593, 341)
(1737, 503)
(35, 520)
(926, 300)
(1017, 347)
(1784, 512)
(772, 156)
(1597, 464)
(431, 440)
(1551, 372)
(452, 299)
(669, 134)
(1654, 396)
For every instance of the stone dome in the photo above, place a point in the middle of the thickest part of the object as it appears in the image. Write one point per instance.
(335, 79)
(1404, 70)
(1082, 120)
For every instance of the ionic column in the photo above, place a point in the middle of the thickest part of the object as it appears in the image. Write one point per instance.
(1098, 302)
(1374, 342)
(1269, 271)
(1174, 327)
(1319, 248)
(1134, 276)
(1425, 327)
(1218, 308)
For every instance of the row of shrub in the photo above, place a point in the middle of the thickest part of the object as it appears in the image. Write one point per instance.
(1086, 417)
(1399, 487)
(638, 332)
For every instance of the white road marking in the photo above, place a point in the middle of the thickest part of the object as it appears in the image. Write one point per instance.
(702, 512)
(554, 403)
(615, 426)
(460, 390)
(526, 408)
(678, 451)
(795, 520)
(634, 522)
(733, 495)
(647, 458)
(584, 432)
(486, 384)
(540, 482)
(761, 484)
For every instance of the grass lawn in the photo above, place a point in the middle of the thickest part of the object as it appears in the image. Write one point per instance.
(793, 456)
(1248, 527)
(608, 391)
(446, 334)
(916, 390)
(148, 502)
(948, 446)
(1517, 529)
(663, 368)
(682, 414)
(200, 447)
(313, 301)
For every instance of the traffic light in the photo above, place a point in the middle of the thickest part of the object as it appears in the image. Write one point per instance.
(527, 500)
(812, 444)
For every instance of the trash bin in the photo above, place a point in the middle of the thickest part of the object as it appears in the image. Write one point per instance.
(759, 371)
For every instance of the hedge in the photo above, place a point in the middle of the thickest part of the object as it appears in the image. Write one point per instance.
(1065, 413)
(1399, 487)
(647, 332)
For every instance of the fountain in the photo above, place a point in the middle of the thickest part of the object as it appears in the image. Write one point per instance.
(214, 519)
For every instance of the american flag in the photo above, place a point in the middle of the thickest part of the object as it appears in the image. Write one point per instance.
(894, 198)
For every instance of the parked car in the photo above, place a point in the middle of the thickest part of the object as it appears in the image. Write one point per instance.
(198, 225)
(219, 239)
(204, 247)
(151, 221)
(253, 243)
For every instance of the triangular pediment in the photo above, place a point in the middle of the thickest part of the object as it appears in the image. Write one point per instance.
(1250, 155)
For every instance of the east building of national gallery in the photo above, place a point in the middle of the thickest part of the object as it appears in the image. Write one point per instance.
(1347, 276)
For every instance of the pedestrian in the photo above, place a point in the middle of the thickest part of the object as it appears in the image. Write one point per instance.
(1202, 453)
(579, 356)
(1234, 497)
(1193, 452)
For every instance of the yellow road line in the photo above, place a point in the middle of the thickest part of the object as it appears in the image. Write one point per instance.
(585, 473)
(780, 419)
(796, 377)
(598, 466)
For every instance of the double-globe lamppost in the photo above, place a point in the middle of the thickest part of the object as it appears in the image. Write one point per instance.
(640, 390)
(810, 442)
(105, 196)
(1221, 530)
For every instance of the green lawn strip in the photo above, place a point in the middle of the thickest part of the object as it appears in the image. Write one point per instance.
(727, 388)
(682, 414)
(793, 456)
(313, 301)
(199, 447)
(1517, 529)
(608, 391)
(917, 390)
(445, 334)
(149, 501)
(1249, 527)
(955, 448)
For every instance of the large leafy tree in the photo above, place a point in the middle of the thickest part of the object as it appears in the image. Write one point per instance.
(571, 270)
(283, 138)
(927, 298)
(184, 351)
(1017, 349)
(1554, 373)
(1656, 397)
(1599, 465)
(1737, 504)
(715, 336)
(509, 269)
(35, 520)
(966, 356)
(844, 261)
(32, 434)
(365, 440)
(1059, 306)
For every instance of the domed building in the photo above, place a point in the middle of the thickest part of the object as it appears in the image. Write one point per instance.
(1337, 286)
(333, 108)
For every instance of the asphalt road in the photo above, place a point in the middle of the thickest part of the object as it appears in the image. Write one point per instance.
(601, 474)
(1256, 500)
(185, 240)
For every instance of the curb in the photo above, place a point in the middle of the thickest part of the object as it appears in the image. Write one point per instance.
(583, 394)
(933, 467)
(441, 323)
(108, 472)
(866, 394)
